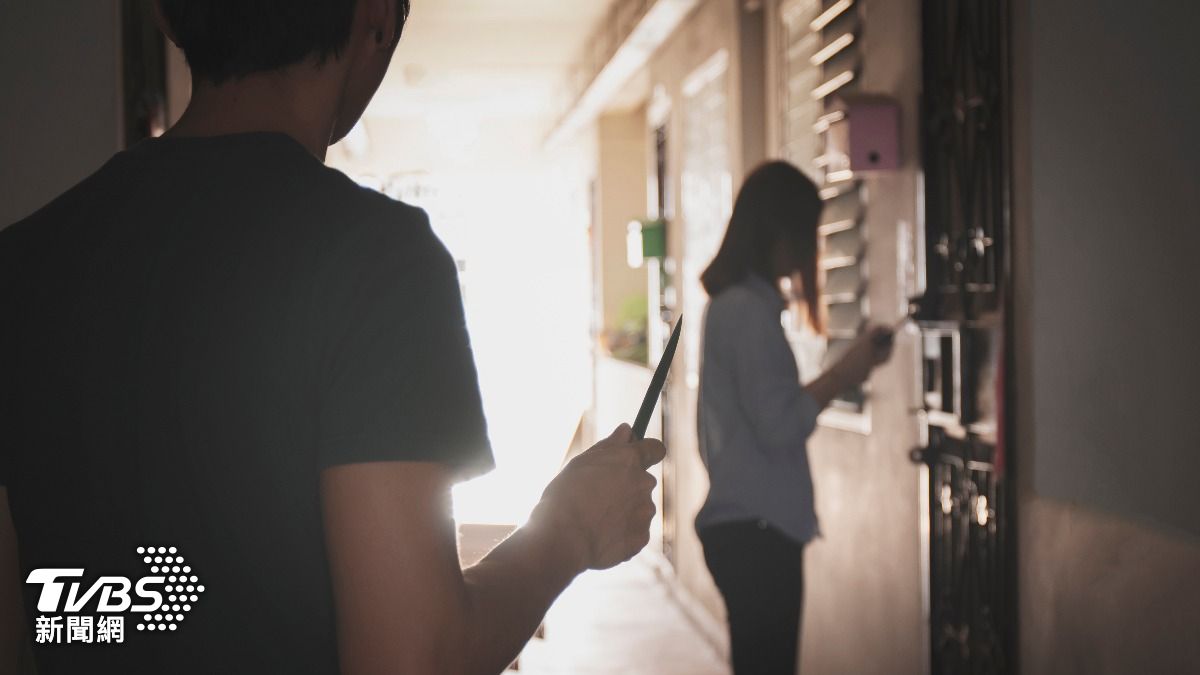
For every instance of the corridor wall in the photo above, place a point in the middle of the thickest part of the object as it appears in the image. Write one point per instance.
(710, 32)
(60, 106)
(1105, 218)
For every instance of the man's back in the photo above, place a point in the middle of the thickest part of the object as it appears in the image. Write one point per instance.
(189, 337)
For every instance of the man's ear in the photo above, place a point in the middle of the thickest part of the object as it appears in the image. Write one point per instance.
(381, 21)
(160, 19)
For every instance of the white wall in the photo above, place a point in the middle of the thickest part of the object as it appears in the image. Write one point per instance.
(59, 98)
(620, 199)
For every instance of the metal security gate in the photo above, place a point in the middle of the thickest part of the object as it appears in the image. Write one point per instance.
(963, 318)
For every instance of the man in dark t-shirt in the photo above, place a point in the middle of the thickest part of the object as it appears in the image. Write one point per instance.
(238, 387)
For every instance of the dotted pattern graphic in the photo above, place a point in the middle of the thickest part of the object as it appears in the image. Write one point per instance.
(183, 588)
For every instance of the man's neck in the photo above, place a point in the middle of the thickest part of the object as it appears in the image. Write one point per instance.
(300, 102)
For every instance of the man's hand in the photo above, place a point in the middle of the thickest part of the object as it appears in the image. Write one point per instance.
(600, 503)
(403, 604)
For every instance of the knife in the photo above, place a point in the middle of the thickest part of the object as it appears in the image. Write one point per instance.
(656, 384)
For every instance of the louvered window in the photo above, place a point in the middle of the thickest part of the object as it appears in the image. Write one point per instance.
(819, 59)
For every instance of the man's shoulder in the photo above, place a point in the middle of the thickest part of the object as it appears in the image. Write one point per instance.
(380, 210)
(326, 188)
(73, 198)
(393, 225)
(365, 232)
(20, 238)
(274, 188)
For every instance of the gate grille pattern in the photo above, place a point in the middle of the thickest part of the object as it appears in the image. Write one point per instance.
(965, 134)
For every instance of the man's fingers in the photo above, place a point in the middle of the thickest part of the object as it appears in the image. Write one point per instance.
(620, 437)
(638, 541)
(651, 451)
(646, 513)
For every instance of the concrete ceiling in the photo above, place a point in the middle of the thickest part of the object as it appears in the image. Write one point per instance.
(486, 58)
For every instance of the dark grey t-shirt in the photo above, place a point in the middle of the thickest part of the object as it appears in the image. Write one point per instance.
(187, 338)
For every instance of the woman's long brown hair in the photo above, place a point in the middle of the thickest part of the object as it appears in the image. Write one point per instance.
(777, 205)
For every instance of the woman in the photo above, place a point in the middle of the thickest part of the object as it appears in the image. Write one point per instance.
(755, 416)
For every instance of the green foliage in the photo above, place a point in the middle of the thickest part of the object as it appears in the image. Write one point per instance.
(628, 340)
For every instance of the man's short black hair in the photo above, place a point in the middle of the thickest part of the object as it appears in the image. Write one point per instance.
(228, 39)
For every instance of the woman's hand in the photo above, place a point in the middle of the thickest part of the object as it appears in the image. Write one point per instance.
(882, 338)
(872, 348)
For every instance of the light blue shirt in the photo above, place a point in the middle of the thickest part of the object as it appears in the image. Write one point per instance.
(754, 416)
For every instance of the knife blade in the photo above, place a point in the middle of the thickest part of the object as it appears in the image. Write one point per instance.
(656, 383)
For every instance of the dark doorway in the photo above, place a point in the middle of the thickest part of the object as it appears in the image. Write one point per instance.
(666, 314)
(964, 319)
(143, 73)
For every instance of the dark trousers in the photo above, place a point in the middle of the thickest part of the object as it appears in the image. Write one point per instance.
(759, 571)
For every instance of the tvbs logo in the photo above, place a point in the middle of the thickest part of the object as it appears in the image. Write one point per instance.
(162, 598)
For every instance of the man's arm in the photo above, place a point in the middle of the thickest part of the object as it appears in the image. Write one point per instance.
(12, 613)
(403, 603)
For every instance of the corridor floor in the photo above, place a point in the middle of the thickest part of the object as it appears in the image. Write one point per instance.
(621, 621)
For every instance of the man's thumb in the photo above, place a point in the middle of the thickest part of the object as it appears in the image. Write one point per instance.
(622, 434)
